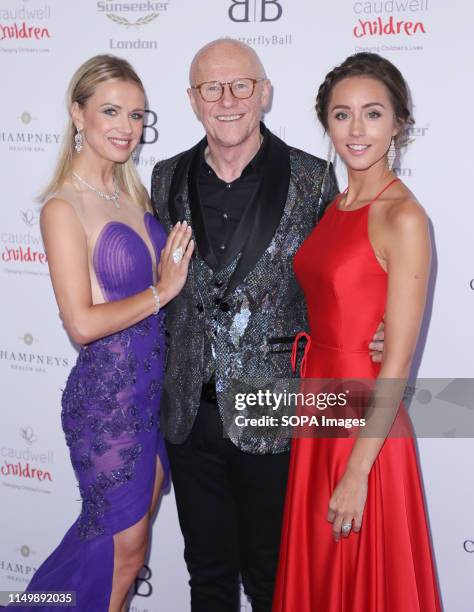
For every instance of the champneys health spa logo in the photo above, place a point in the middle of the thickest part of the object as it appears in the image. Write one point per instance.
(25, 28)
(26, 118)
(390, 18)
(25, 551)
(27, 137)
(16, 571)
(132, 16)
(28, 339)
(21, 569)
(23, 356)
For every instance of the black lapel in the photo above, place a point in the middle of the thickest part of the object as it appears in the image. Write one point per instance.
(184, 188)
(199, 226)
(268, 206)
(177, 192)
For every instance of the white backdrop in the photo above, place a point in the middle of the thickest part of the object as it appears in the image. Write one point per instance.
(41, 44)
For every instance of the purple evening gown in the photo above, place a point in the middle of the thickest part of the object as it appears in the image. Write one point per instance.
(110, 415)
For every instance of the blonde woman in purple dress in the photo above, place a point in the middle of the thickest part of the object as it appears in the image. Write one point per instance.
(112, 269)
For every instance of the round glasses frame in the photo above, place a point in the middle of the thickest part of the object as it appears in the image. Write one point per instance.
(231, 85)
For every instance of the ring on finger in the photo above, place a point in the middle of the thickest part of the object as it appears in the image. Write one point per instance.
(177, 255)
(346, 527)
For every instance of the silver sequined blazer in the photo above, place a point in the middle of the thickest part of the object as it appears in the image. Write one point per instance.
(238, 319)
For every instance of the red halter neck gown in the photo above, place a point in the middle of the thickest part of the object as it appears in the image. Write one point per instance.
(387, 566)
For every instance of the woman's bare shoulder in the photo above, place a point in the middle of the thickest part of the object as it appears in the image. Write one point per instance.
(402, 211)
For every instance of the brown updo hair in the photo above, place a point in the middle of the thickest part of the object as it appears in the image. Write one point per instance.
(375, 67)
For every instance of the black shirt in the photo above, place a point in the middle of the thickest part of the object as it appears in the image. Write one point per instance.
(223, 204)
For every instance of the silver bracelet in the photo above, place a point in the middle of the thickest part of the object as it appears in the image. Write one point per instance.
(156, 297)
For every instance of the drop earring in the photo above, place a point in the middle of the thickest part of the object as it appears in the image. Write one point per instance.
(392, 154)
(330, 156)
(329, 159)
(134, 156)
(78, 141)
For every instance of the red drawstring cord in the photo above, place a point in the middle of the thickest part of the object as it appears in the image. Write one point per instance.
(294, 352)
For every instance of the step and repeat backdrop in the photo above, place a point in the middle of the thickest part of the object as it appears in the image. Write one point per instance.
(41, 44)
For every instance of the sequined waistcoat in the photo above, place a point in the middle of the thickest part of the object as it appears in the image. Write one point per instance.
(250, 310)
(208, 287)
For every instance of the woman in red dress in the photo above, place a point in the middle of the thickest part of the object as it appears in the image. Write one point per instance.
(355, 534)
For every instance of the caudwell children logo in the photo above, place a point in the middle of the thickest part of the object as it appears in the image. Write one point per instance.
(390, 18)
(25, 23)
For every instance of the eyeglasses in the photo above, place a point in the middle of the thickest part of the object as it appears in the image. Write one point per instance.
(212, 91)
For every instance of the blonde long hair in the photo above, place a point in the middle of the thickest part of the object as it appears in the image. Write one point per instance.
(84, 82)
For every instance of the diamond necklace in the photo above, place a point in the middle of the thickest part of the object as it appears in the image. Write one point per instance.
(110, 197)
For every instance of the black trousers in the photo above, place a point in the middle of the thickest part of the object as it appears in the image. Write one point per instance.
(230, 508)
